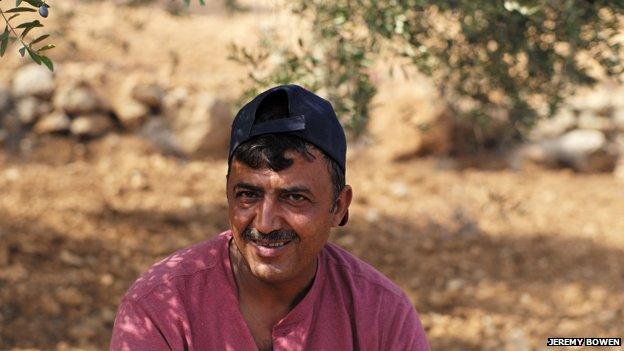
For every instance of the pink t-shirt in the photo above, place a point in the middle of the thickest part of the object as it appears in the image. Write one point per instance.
(188, 301)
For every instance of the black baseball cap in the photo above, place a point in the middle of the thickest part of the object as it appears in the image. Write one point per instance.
(310, 117)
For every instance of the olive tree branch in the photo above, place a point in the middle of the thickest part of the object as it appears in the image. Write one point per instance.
(12, 29)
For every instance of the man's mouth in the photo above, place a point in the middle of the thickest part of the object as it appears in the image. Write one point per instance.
(271, 244)
(277, 238)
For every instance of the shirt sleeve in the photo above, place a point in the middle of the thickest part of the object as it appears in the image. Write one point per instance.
(406, 332)
(134, 329)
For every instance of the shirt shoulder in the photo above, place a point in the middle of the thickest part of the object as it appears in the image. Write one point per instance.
(183, 263)
(364, 277)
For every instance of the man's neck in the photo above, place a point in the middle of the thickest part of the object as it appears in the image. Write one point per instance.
(284, 296)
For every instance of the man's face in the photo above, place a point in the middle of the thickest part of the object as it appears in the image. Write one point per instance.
(281, 220)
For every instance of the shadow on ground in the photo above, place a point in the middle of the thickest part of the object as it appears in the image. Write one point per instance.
(473, 291)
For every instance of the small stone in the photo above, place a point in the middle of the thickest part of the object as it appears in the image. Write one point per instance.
(157, 131)
(12, 174)
(91, 125)
(70, 259)
(399, 189)
(33, 80)
(556, 126)
(138, 181)
(49, 305)
(618, 119)
(372, 215)
(598, 99)
(131, 114)
(517, 341)
(149, 94)
(27, 109)
(106, 279)
(14, 273)
(175, 98)
(589, 120)
(77, 100)
(30, 108)
(455, 284)
(70, 296)
(55, 122)
(84, 330)
(187, 202)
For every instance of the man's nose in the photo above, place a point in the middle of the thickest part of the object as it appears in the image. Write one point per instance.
(268, 216)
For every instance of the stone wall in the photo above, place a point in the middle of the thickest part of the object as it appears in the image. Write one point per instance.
(85, 102)
(586, 135)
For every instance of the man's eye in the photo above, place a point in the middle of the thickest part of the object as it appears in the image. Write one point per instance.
(295, 197)
(246, 194)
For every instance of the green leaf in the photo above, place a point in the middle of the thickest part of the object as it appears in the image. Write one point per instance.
(202, 2)
(4, 40)
(30, 24)
(46, 61)
(26, 32)
(22, 51)
(35, 3)
(34, 56)
(47, 47)
(17, 3)
(21, 9)
(39, 39)
(5, 33)
(12, 17)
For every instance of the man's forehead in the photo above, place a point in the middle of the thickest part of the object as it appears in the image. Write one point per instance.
(302, 172)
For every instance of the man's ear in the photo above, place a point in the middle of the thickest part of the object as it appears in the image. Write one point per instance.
(341, 212)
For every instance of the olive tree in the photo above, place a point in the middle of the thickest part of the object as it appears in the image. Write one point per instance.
(520, 57)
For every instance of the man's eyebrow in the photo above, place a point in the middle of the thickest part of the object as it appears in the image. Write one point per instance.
(248, 186)
(297, 189)
(292, 189)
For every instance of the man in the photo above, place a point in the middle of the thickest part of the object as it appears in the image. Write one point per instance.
(272, 282)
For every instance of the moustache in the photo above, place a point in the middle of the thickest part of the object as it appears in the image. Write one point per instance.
(252, 234)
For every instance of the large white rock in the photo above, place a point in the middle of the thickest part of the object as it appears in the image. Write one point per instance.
(581, 149)
(407, 121)
(92, 125)
(33, 80)
(586, 151)
(201, 123)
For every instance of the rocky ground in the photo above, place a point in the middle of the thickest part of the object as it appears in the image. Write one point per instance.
(493, 258)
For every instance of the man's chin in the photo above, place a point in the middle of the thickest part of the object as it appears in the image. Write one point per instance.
(269, 273)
